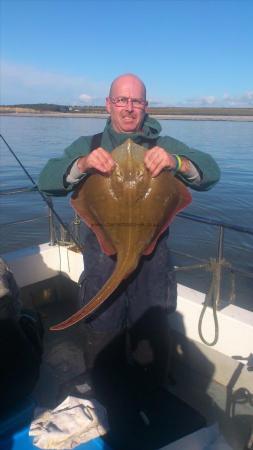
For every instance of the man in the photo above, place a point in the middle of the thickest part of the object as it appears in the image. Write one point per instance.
(141, 303)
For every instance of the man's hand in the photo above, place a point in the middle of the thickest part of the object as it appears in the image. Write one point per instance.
(156, 159)
(99, 160)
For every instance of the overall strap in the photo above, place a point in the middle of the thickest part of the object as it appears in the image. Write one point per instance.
(152, 143)
(96, 141)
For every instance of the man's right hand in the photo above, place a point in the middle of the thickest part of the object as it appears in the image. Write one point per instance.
(99, 160)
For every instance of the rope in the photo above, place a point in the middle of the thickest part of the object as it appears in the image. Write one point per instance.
(213, 294)
(211, 300)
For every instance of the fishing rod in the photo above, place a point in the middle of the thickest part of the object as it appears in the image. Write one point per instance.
(44, 197)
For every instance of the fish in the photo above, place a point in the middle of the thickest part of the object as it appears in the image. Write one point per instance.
(128, 211)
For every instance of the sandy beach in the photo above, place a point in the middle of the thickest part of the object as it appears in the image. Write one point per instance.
(156, 116)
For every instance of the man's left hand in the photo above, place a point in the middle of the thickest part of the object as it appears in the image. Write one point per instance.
(156, 159)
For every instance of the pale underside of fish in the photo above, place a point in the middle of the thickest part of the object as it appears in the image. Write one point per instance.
(128, 211)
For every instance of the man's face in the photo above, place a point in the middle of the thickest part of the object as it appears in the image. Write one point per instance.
(127, 115)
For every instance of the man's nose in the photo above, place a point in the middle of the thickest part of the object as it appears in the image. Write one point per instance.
(129, 106)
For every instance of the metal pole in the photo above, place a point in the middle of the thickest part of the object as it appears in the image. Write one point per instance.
(76, 224)
(52, 236)
(221, 243)
(219, 265)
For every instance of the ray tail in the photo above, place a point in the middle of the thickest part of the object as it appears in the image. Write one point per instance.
(124, 266)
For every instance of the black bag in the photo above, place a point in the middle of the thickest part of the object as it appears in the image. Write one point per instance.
(21, 336)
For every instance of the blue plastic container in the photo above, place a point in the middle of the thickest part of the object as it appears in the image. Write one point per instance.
(22, 441)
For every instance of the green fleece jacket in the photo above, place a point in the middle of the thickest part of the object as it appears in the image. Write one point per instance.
(51, 179)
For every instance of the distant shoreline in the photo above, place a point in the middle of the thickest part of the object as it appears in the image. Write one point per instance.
(206, 117)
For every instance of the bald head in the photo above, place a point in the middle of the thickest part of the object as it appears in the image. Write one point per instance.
(127, 116)
(127, 79)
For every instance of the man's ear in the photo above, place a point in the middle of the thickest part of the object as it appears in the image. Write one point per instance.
(108, 105)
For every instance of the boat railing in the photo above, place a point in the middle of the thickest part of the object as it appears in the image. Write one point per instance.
(75, 229)
(215, 266)
(222, 226)
(71, 234)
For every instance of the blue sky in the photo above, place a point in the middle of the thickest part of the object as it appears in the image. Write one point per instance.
(188, 52)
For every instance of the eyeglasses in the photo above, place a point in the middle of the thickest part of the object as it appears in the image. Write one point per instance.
(123, 101)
